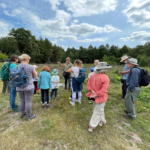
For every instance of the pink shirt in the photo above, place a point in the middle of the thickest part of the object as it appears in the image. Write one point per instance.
(98, 83)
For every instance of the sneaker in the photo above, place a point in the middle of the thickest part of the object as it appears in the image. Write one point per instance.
(101, 123)
(78, 101)
(16, 109)
(23, 115)
(70, 98)
(90, 102)
(90, 129)
(73, 104)
(48, 105)
(128, 117)
(31, 117)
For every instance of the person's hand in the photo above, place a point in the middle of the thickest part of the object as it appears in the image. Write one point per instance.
(58, 62)
(93, 96)
(120, 72)
(93, 91)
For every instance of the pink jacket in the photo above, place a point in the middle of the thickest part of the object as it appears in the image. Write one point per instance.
(98, 83)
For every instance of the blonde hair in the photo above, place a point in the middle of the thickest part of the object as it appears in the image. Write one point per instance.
(96, 61)
(24, 57)
(35, 66)
(101, 71)
(78, 62)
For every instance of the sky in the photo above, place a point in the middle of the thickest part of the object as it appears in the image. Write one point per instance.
(75, 23)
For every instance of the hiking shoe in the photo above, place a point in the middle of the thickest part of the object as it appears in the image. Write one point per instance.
(22, 115)
(90, 129)
(128, 117)
(101, 123)
(73, 104)
(126, 111)
(16, 109)
(48, 105)
(78, 101)
(31, 117)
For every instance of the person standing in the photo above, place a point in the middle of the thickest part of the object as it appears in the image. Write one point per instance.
(134, 88)
(26, 93)
(55, 83)
(76, 86)
(44, 84)
(98, 86)
(66, 75)
(13, 92)
(125, 74)
(5, 83)
(35, 80)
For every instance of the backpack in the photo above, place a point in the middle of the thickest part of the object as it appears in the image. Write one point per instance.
(82, 75)
(145, 78)
(18, 78)
(5, 71)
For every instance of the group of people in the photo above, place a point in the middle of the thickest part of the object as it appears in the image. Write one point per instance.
(98, 83)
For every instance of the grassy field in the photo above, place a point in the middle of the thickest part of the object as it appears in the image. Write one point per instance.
(63, 127)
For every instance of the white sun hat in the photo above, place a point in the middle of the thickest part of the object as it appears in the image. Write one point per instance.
(102, 65)
(35, 66)
(133, 61)
(124, 58)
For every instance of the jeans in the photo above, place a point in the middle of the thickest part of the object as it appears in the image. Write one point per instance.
(45, 93)
(5, 87)
(54, 90)
(12, 98)
(35, 86)
(67, 79)
(124, 88)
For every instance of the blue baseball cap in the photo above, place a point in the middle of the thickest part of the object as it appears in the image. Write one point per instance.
(91, 69)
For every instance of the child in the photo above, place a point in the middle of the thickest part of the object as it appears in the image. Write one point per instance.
(44, 84)
(55, 83)
(91, 72)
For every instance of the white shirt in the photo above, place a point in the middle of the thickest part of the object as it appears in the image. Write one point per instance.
(90, 75)
(75, 72)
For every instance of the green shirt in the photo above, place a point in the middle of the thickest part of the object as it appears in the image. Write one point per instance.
(67, 66)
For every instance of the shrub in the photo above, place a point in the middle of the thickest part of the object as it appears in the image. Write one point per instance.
(142, 62)
(3, 57)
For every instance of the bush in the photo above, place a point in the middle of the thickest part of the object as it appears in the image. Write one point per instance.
(3, 57)
(143, 62)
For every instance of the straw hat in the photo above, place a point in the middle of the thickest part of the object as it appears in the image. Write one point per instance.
(124, 58)
(102, 65)
(35, 66)
(133, 61)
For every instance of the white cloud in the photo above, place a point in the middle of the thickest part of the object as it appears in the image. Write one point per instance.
(93, 40)
(14, 12)
(4, 29)
(86, 7)
(142, 36)
(138, 13)
(3, 5)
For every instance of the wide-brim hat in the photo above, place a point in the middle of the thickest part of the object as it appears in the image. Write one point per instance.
(35, 66)
(102, 65)
(133, 61)
(124, 58)
(55, 71)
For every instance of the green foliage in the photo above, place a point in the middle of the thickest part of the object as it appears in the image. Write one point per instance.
(142, 62)
(144, 95)
(3, 57)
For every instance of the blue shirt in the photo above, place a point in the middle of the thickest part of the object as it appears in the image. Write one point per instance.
(126, 68)
(44, 81)
(55, 78)
(12, 65)
(134, 78)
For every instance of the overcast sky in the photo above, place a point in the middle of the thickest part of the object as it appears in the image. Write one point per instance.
(74, 23)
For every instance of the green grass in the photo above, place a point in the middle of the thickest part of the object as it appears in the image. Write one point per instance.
(65, 127)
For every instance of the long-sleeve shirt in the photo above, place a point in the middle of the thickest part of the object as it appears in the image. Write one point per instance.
(98, 83)
(44, 81)
(126, 68)
(134, 78)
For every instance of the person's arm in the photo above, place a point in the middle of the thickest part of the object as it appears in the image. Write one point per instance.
(124, 72)
(103, 89)
(34, 73)
(60, 64)
(69, 70)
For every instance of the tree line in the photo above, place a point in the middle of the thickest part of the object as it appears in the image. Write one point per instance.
(41, 50)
